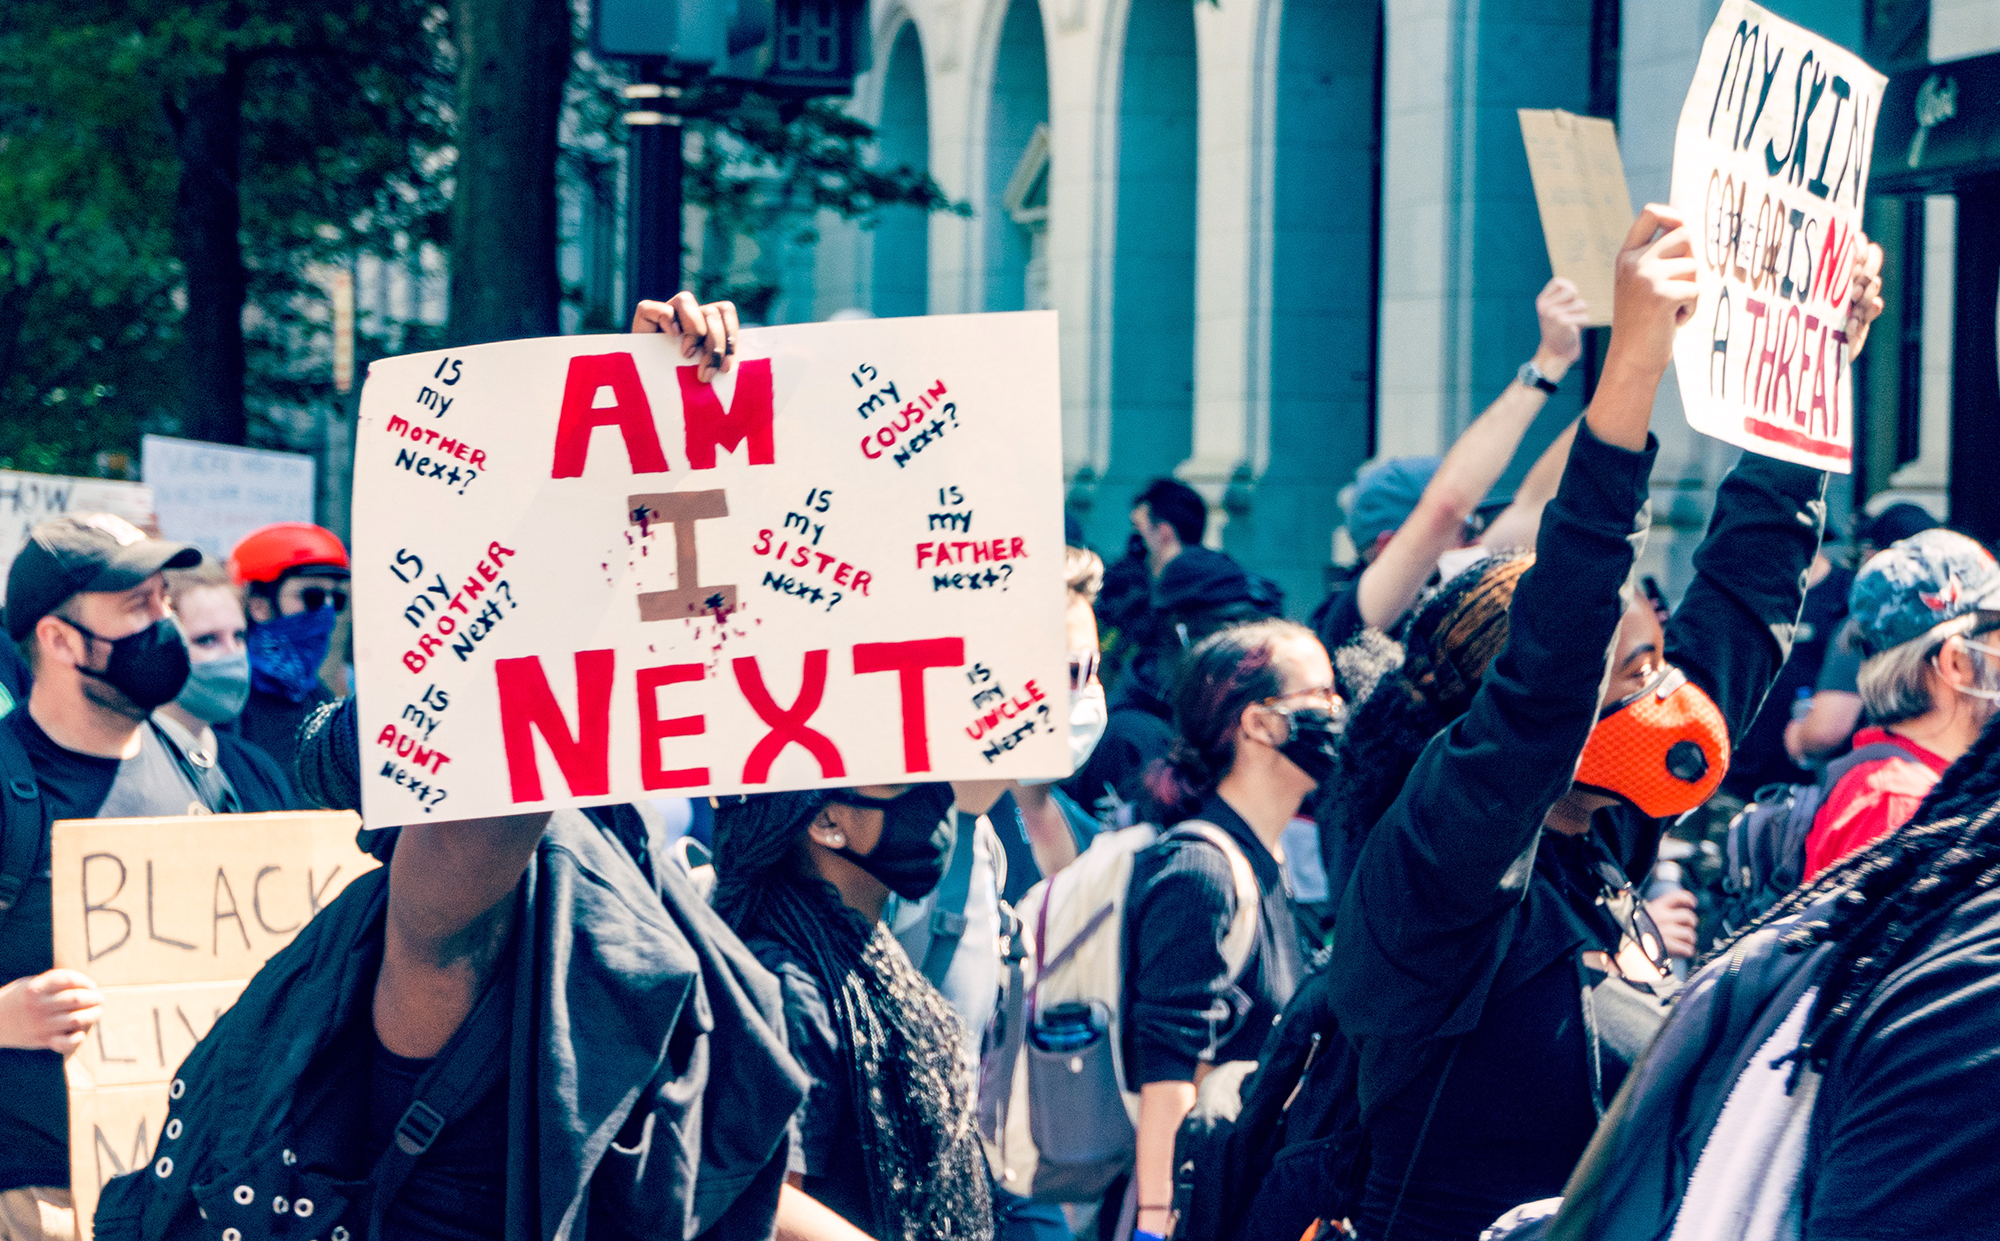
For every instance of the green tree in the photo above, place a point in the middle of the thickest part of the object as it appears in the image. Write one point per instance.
(241, 140)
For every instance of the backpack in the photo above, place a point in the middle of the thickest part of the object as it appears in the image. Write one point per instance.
(1284, 1145)
(1764, 851)
(1053, 1110)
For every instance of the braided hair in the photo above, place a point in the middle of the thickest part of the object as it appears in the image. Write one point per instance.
(902, 1042)
(1224, 673)
(1888, 899)
(1446, 647)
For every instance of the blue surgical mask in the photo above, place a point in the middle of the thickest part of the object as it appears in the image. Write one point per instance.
(217, 689)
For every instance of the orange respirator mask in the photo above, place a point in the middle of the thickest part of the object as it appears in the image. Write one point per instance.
(1664, 749)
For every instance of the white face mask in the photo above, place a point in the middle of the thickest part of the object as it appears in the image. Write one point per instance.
(1088, 715)
(1985, 679)
(1459, 559)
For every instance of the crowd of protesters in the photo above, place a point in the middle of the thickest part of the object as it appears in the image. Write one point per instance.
(1370, 902)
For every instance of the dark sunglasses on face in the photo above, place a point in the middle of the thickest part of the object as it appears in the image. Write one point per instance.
(316, 597)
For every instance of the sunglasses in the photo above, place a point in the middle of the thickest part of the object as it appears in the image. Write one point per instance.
(316, 597)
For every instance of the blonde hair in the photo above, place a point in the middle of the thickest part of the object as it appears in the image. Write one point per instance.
(1083, 573)
(208, 575)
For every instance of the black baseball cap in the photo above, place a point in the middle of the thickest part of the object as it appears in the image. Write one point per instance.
(81, 552)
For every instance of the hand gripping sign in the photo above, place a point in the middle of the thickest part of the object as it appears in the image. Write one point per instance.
(1771, 168)
(583, 577)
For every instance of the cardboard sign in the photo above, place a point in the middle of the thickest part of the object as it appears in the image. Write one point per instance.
(171, 917)
(1586, 208)
(211, 495)
(583, 577)
(1771, 169)
(26, 500)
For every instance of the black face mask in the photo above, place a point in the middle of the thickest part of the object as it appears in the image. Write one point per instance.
(149, 667)
(1315, 734)
(918, 833)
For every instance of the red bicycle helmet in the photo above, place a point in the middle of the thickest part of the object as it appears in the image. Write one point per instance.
(267, 555)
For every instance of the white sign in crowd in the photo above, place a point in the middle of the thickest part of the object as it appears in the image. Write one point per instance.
(211, 495)
(1771, 166)
(583, 577)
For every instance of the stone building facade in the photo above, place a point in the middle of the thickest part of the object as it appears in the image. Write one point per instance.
(1286, 236)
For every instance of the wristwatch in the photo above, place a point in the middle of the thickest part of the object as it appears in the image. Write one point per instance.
(1530, 376)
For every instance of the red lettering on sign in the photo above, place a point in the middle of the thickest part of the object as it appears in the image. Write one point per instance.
(787, 725)
(629, 411)
(748, 416)
(908, 661)
(653, 730)
(527, 704)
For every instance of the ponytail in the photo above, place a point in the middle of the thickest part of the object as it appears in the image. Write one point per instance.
(1224, 673)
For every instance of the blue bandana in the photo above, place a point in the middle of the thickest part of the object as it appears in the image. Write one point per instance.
(285, 653)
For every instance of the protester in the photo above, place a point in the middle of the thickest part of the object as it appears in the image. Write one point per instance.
(211, 618)
(1055, 828)
(522, 1026)
(886, 1137)
(1472, 946)
(1929, 684)
(456, 1006)
(1824, 729)
(1198, 592)
(1402, 557)
(1826, 1076)
(1169, 517)
(1256, 716)
(87, 604)
(295, 575)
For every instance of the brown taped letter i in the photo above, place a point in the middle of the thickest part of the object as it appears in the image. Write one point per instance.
(681, 509)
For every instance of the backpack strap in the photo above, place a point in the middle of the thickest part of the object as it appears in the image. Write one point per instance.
(198, 767)
(469, 1065)
(1241, 940)
(1870, 753)
(948, 907)
(23, 820)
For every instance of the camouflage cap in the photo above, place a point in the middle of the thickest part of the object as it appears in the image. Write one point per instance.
(1916, 584)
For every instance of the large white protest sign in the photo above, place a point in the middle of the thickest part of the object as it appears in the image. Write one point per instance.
(171, 917)
(29, 499)
(211, 495)
(583, 577)
(1771, 168)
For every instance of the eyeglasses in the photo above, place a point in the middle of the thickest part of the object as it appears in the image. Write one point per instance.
(1327, 696)
(316, 597)
(1082, 669)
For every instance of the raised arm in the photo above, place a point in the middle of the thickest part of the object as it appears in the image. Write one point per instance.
(451, 911)
(1518, 523)
(1390, 584)
(1453, 851)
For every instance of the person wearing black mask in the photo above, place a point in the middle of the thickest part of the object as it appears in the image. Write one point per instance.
(1258, 720)
(87, 603)
(886, 1139)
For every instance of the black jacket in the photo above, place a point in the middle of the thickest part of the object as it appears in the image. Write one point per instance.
(649, 1090)
(1897, 1145)
(1455, 900)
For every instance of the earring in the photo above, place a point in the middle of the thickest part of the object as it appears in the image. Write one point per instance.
(835, 838)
